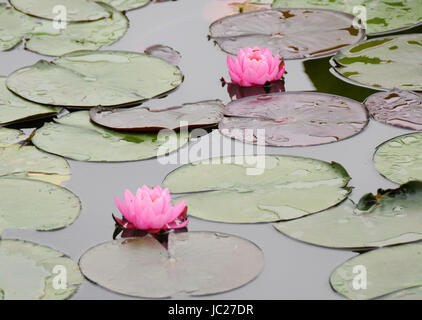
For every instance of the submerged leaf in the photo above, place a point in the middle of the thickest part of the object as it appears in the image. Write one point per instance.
(38, 205)
(292, 34)
(76, 10)
(399, 159)
(383, 63)
(46, 40)
(381, 16)
(397, 108)
(31, 163)
(387, 270)
(14, 109)
(165, 53)
(142, 118)
(87, 79)
(74, 136)
(255, 189)
(195, 263)
(293, 119)
(28, 272)
(388, 218)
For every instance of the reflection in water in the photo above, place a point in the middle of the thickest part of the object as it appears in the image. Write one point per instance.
(323, 81)
(236, 91)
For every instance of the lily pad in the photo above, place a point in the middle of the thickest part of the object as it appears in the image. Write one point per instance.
(164, 52)
(76, 10)
(293, 119)
(387, 270)
(399, 159)
(74, 136)
(292, 33)
(414, 293)
(397, 108)
(13, 27)
(125, 5)
(381, 16)
(255, 189)
(38, 205)
(188, 115)
(31, 163)
(28, 272)
(85, 79)
(383, 63)
(388, 218)
(46, 40)
(10, 136)
(195, 264)
(14, 109)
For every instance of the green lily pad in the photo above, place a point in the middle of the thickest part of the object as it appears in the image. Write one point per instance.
(31, 163)
(195, 264)
(292, 34)
(14, 109)
(399, 159)
(397, 108)
(383, 63)
(388, 218)
(125, 5)
(13, 27)
(74, 136)
(381, 16)
(414, 293)
(34, 204)
(76, 10)
(46, 40)
(10, 136)
(142, 118)
(387, 271)
(28, 272)
(85, 79)
(255, 189)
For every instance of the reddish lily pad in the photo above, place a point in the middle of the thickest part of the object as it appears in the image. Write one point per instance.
(397, 108)
(189, 115)
(195, 264)
(290, 33)
(293, 119)
(165, 53)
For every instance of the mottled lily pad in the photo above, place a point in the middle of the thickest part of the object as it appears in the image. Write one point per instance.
(383, 63)
(388, 218)
(195, 264)
(74, 136)
(381, 16)
(188, 115)
(397, 108)
(38, 205)
(399, 159)
(386, 270)
(31, 163)
(28, 272)
(255, 189)
(292, 34)
(10, 136)
(164, 52)
(46, 40)
(76, 10)
(125, 5)
(87, 79)
(293, 119)
(14, 109)
(414, 293)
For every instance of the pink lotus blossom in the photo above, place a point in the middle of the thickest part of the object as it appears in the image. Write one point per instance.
(151, 210)
(255, 67)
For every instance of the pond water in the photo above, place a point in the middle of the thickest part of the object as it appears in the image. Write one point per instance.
(293, 270)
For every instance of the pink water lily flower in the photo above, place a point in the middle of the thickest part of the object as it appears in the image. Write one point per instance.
(151, 210)
(255, 67)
